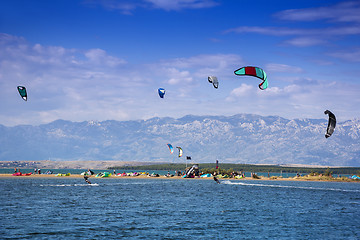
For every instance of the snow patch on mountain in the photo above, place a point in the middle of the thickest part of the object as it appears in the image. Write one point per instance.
(242, 138)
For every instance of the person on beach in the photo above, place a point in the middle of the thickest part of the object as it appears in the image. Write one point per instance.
(15, 170)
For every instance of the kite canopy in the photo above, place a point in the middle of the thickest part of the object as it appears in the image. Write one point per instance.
(256, 72)
(161, 92)
(331, 124)
(22, 91)
(180, 151)
(170, 148)
(214, 81)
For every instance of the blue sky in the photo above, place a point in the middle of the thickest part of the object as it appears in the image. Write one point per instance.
(104, 60)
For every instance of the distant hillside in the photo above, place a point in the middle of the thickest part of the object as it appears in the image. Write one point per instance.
(242, 138)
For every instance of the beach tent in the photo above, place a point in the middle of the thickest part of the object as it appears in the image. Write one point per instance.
(104, 174)
(206, 175)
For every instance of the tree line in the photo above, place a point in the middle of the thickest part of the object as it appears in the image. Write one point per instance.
(244, 168)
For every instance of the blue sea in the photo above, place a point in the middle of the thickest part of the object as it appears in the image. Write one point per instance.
(159, 208)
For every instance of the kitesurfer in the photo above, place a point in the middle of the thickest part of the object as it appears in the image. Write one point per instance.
(89, 172)
(86, 179)
(216, 180)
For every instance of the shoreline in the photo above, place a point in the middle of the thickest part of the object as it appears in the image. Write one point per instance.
(303, 179)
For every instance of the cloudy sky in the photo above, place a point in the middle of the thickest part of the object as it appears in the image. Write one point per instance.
(105, 59)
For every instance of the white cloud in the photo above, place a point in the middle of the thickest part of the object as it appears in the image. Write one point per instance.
(181, 4)
(99, 56)
(242, 91)
(63, 82)
(186, 70)
(129, 6)
(275, 31)
(305, 41)
(315, 32)
(125, 6)
(218, 61)
(306, 98)
(351, 56)
(177, 76)
(343, 21)
(277, 67)
(79, 85)
(341, 12)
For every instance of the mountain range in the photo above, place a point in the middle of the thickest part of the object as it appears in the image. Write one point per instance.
(241, 138)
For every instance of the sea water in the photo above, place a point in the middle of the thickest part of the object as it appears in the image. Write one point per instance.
(69, 208)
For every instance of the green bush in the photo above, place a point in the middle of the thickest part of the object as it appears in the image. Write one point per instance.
(328, 172)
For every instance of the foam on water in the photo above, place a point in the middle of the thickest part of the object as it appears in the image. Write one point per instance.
(70, 185)
(286, 186)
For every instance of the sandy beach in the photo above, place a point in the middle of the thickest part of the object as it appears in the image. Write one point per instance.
(303, 178)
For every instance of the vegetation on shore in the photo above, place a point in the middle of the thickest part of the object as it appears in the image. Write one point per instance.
(227, 168)
(327, 178)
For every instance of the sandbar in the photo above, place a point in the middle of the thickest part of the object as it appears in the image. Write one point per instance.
(304, 178)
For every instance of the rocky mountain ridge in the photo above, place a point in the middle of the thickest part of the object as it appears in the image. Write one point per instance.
(242, 138)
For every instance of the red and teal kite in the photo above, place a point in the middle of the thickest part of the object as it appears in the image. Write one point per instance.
(256, 72)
